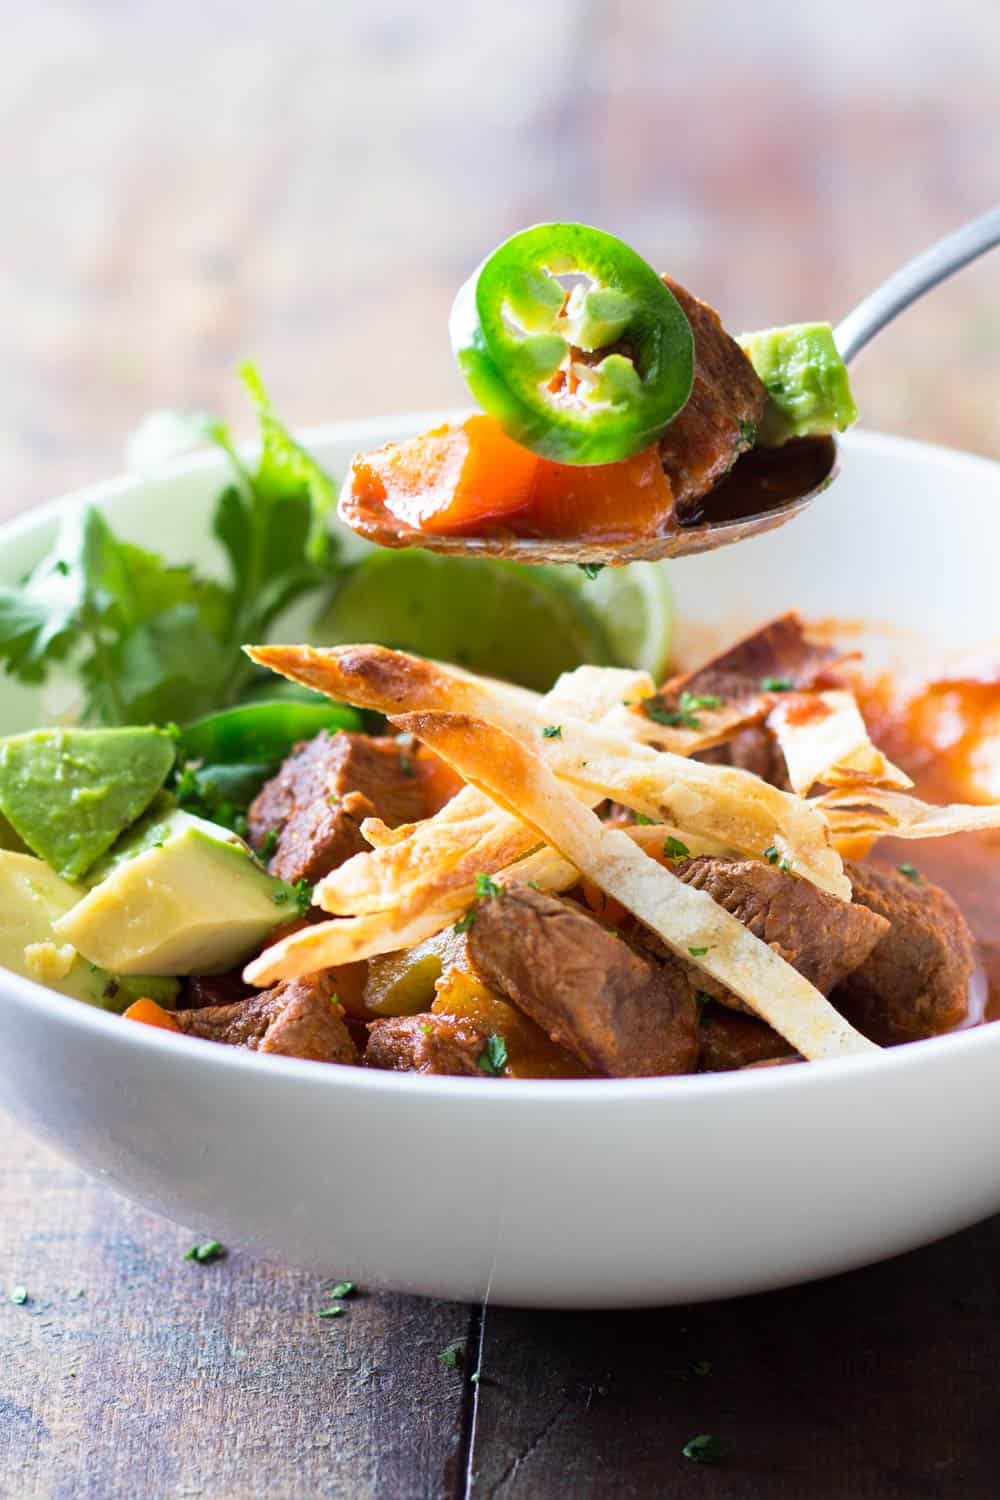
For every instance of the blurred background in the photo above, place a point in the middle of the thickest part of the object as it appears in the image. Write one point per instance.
(190, 183)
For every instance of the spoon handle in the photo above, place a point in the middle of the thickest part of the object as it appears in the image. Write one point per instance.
(911, 281)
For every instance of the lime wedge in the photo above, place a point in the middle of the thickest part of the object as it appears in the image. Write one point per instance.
(525, 625)
(635, 606)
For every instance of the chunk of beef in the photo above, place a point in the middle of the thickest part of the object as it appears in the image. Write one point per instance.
(201, 990)
(821, 936)
(323, 793)
(915, 983)
(298, 1018)
(621, 1014)
(778, 650)
(731, 1040)
(426, 1044)
(722, 414)
(754, 749)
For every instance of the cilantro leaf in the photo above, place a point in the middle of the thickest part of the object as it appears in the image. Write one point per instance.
(151, 641)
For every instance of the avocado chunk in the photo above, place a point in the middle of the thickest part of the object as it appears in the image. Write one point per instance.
(809, 394)
(69, 793)
(32, 899)
(191, 899)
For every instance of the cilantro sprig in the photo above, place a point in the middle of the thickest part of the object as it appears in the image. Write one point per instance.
(149, 641)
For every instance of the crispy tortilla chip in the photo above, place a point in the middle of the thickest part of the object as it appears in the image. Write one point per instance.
(683, 916)
(327, 945)
(879, 812)
(717, 802)
(824, 740)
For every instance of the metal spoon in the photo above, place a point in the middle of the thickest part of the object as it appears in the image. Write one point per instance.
(768, 486)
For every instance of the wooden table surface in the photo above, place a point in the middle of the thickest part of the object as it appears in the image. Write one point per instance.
(189, 184)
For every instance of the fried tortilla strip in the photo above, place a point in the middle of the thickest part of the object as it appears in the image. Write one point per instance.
(824, 739)
(687, 919)
(717, 802)
(325, 945)
(878, 812)
(733, 690)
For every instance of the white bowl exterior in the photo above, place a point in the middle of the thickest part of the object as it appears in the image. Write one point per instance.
(559, 1194)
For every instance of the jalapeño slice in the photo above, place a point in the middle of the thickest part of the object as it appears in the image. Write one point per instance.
(585, 372)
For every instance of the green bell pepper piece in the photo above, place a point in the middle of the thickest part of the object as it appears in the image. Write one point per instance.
(262, 732)
(527, 351)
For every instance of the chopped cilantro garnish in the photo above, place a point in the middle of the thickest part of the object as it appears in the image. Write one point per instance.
(452, 1356)
(772, 855)
(910, 871)
(207, 1252)
(154, 642)
(777, 685)
(552, 732)
(684, 716)
(493, 1058)
(701, 1367)
(643, 821)
(697, 952)
(703, 1449)
(331, 1312)
(268, 843)
(591, 570)
(676, 849)
(533, 885)
(786, 865)
(464, 923)
(18, 1295)
(486, 888)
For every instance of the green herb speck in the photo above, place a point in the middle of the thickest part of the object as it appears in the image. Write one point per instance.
(205, 1253)
(703, 1449)
(910, 871)
(493, 1058)
(676, 849)
(552, 732)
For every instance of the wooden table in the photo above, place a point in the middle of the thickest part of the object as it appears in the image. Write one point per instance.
(189, 184)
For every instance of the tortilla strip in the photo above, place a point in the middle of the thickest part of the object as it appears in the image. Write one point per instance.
(824, 739)
(718, 802)
(779, 650)
(874, 811)
(683, 916)
(424, 863)
(327, 945)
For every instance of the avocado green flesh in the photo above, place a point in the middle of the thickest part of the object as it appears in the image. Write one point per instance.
(194, 903)
(809, 393)
(32, 899)
(69, 793)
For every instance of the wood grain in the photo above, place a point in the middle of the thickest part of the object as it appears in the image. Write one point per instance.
(186, 185)
(133, 1372)
(875, 1386)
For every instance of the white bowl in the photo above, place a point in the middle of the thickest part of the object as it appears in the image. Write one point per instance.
(556, 1194)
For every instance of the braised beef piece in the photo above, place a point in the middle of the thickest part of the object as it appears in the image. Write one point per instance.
(915, 982)
(298, 1018)
(722, 414)
(821, 936)
(323, 793)
(730, 1040)
(426, 1044)
(778, 651)
(201, 990)
(753, 749)
(619, 1013)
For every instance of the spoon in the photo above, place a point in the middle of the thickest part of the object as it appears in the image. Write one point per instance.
(768, 486)
(917, 277)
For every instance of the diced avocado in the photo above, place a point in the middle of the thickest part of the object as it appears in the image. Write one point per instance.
(191, 901)
(32, 899)
(402, 984)
(69, 793)
(809, 394)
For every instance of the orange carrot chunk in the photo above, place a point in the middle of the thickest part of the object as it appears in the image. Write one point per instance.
(150, 1014)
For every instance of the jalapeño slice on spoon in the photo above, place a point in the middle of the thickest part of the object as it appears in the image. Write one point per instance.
(587, 374)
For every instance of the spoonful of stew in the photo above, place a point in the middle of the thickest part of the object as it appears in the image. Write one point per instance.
(620, 421)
